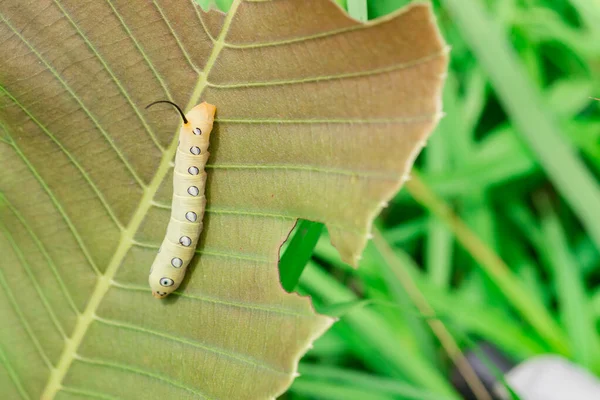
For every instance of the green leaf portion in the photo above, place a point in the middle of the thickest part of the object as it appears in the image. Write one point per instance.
(358, 9)
(327, 135)
(341, 309)
(298, 252)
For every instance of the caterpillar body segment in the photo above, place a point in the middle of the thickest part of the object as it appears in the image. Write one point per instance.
(188, 204)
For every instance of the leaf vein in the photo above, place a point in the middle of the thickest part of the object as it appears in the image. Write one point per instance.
(13, 375)
(199, 15)
(402, 120)
(70, 156)
(80, 102)
(228, 303)
(347, 228)
(213, 349)
(328, 171)
(112, 75)
(138, 371)
(87, 393)
(234, 212)
(15, 305)
(396, 67)
(139, 47)
(320, 35)
(207, 252)
(78, 238)
(25, 264)
(43, 250)
(176, 37)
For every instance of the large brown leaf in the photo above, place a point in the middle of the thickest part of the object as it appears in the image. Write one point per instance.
(318, 117)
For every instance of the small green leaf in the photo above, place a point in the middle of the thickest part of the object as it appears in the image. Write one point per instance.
(358, 9)
(298, 252)
(341, 309)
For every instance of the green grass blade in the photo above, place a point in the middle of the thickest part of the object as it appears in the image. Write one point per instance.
(487, 322)
(496, 373)
(323, 390)
(439, 242)
(573, 302)
(340, 309)
(376, 331)
(414, 319)
(595, 304)
(358, 9)
(474, 100)
(378, 8)
(346, 377)
(406, 231)
(342, 3)
(529, 307)
(405, 279)
(526, 109)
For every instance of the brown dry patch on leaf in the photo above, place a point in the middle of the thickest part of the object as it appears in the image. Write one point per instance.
(319, 117)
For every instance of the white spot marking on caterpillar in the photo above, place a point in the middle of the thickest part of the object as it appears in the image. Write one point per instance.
(176, 262)
(191, 216)
(193, 191)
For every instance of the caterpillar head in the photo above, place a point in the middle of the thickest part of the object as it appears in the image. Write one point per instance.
(164, 279)
(163, 285)
(200, 121)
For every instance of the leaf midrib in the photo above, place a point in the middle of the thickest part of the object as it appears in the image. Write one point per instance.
(127, 237)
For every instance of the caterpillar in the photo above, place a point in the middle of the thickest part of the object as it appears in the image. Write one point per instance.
(187, 208)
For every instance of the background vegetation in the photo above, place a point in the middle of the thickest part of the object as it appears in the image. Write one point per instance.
(496, 236)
